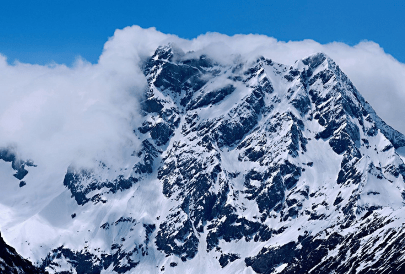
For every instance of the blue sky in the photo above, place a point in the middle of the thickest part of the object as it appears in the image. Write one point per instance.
(59, 30)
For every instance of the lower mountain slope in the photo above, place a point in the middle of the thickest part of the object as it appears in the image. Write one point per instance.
(12, 263)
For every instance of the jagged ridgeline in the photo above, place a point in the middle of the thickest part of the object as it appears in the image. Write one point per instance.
(248, 167)
(12, 262)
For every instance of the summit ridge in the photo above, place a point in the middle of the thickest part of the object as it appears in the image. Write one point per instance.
(244, 167)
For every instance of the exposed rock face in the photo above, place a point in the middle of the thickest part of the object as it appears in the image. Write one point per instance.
(18, 165)
(13, 263)
(254, 166)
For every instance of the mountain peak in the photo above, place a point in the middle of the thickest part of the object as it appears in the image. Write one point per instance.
(242, 167)
(168, 52)
(317, 59)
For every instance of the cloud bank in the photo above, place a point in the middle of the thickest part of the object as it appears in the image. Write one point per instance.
(59, 114)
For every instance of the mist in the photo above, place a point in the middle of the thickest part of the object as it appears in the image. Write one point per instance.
(58, 115)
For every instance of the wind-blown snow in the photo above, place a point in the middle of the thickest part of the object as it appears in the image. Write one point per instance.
(55, 113)
(85, 116)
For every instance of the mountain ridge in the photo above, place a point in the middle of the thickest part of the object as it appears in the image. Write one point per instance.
(249, 166)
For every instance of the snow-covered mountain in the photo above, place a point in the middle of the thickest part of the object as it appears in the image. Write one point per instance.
(12, 262)
(248, 167)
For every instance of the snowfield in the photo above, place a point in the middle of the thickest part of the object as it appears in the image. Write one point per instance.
(243, 167)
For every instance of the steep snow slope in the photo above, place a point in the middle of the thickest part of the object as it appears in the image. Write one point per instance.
(244, 168)
(12, 263)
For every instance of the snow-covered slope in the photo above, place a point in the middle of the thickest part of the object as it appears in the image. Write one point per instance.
(12, 263)
(244, 168)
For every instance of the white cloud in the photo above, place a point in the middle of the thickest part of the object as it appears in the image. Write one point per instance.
(56, 115)
(62, 114)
